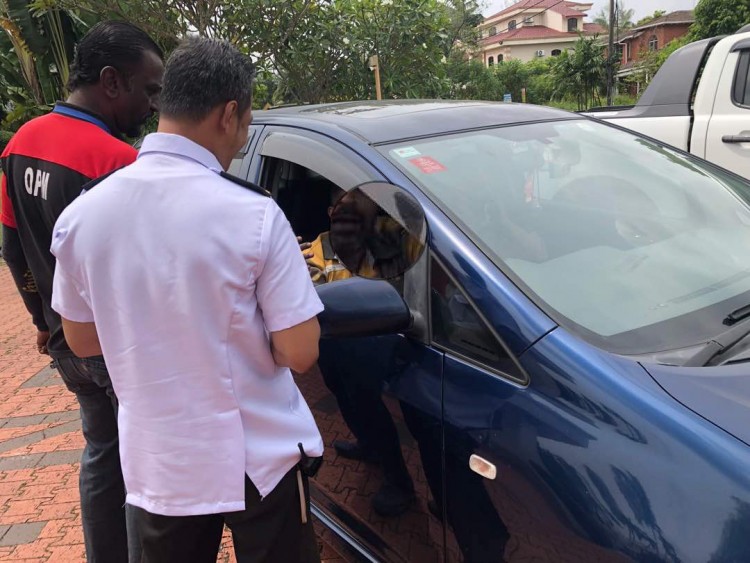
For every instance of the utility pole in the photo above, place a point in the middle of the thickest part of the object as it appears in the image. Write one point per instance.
(611, 53)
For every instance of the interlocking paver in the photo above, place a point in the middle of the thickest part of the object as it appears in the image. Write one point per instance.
(40, 447)
(18, 534)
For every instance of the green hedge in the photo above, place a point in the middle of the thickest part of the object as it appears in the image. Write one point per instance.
(5, 137)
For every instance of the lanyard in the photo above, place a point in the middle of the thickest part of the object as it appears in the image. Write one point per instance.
(76, 113)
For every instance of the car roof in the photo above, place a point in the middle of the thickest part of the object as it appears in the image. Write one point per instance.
(385, 121)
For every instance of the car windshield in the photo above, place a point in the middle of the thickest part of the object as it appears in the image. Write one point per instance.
(636, 246)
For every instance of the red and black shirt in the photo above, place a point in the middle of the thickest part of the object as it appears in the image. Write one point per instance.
(46, 165)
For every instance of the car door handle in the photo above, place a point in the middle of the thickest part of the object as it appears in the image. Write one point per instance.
(482, 467)
(735, 139)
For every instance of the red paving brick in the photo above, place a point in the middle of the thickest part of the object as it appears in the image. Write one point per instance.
(37, 492)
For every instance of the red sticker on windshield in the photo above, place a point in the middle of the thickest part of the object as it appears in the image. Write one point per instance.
(427, 164)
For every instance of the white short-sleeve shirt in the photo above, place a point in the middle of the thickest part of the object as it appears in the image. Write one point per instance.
(185, 274)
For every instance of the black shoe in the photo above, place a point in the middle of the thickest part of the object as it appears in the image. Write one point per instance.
(392, 500)
(352, 450)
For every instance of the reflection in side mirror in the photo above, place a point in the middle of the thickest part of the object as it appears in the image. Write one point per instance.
(378, 230)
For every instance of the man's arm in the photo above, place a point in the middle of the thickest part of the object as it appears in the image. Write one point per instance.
(297, 348)
(72, 306)
(24, 280)
(82, 338)
(19, 268)
(286, 295)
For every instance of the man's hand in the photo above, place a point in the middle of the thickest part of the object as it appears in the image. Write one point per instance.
(307, 254)
(42, 337)
(305, 247)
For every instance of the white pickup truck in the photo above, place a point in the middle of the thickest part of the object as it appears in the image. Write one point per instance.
(699, 101)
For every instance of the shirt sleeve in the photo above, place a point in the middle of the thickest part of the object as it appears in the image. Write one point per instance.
(285, 292)
(68, 297)
(7, 217)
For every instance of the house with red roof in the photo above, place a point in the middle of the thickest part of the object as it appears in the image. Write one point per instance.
(534, 28)
(653, 35)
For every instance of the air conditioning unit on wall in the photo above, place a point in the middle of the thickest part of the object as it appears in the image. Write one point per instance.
(540, 53)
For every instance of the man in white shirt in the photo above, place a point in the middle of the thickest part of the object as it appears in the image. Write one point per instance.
(191, 284)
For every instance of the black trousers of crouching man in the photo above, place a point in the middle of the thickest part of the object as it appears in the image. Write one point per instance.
(267, 531)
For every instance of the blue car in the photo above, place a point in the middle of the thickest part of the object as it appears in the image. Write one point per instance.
(561, 375)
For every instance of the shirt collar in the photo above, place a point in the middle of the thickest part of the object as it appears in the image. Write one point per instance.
(167, 143)
(69, 110)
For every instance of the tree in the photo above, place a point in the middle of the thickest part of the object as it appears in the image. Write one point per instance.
(36, 46)
(471, 80)
(582, 74)
(719, 17)
(512, 76)
(319, 48)
(326, 57)
(540, 82)
(624, 17)
(465, 17)
(652, 17)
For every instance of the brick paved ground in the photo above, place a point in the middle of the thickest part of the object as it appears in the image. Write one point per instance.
(40, 445)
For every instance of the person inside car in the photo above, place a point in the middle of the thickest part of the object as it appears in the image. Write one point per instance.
(348, 367)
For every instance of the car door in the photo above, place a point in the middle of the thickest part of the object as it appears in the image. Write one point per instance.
(507, 415)
(382, 395)
(727, 141)
(241, 161)
(479, 375)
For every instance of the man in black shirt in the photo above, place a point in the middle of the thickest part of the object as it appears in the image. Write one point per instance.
(115, 82)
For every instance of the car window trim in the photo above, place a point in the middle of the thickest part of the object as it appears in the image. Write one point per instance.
(522, 379)
(742, 69)
(297, 147)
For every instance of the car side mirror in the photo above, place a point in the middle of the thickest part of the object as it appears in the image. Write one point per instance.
(378, 230)
(358, 307)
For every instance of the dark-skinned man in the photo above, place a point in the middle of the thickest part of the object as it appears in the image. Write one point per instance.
(115, 81)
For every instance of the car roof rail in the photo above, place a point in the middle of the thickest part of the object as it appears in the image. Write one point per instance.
(279, 106)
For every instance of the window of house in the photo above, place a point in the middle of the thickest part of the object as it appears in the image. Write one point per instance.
(629, 51)
(556, 52)
(511, 25)
(653, 43)
(741, 88)
(491, 61)
(493, 31)
(572, 24)
(500, 58)
(459, 330)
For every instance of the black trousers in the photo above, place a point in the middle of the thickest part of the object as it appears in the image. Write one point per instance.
(267, 531)
(353, 370)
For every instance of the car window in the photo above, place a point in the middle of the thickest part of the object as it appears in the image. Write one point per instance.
(235, 167)
(305, 177)
(236, 164)
(303, 171)
(303, 195)
(633, 245)
(741, 89)
(457, 327)
(319, 157)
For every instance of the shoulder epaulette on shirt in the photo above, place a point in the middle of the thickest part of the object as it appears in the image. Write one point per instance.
(245, 184)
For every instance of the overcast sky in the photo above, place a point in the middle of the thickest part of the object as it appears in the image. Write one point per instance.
(642, 7)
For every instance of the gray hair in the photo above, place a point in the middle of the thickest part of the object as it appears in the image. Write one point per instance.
(202, 74)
